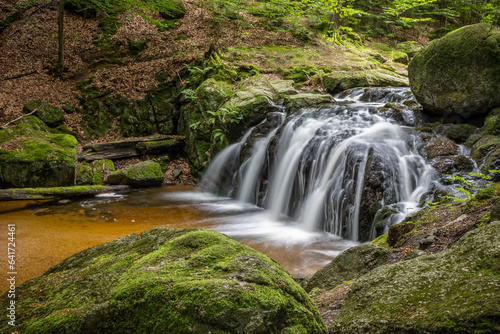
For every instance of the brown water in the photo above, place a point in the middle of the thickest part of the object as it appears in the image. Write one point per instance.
(47, 233)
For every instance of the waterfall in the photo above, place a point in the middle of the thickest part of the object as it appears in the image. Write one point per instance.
(332, 167)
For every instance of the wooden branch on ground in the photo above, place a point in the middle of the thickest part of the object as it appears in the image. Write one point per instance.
(17, 76)
(57, 192)
(17, 119)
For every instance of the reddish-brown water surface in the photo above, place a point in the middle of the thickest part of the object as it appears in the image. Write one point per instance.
(46, 233)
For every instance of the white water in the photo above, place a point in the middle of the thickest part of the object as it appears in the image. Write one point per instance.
(252, 169)
(322, 160)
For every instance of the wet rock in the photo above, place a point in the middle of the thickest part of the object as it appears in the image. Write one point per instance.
(143, 174)
(400, 113)
(441, 147)
(349, 265)
(454, 290)
(50, 115)
(381, 218)
(458, 75)
(459, 163)
(166, 281)
(492, 162)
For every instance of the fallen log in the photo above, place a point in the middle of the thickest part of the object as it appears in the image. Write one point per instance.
(16, 194)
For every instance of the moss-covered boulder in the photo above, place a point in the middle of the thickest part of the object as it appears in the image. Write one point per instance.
(33, 158)
(295, 102)
(455, 291)
(348, 266)
(459, 74)
(460, 132)
(50, 115)
(84, 174)
(33, 123)
(197, 121)
(483, 146)
(338, 81)
(492, 123)
(166, 281)
(143, 174)
(441, 147)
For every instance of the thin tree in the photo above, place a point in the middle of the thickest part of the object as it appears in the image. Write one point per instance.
(60, 35)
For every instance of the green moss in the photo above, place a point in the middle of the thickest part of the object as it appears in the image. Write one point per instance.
(483, 146)
(84, 174)
(40, 159)
(339, 81)
(33, 123)
(102, 168)
(49, 114)
(381, 241)
(452, 291)
(443, 80)
(167, 280)
(144, 174)
(492, 123)
(460, 132)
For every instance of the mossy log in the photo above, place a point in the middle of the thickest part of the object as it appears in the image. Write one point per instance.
(129, 148)
(15, 194)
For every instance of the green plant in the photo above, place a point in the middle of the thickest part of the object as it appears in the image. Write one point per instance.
(468, 188)
(189, 94)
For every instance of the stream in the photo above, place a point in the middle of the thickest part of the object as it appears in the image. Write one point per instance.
(300, 189)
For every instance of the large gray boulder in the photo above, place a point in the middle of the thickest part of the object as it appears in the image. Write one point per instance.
(459, 74)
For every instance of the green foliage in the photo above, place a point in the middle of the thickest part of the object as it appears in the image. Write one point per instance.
(469, 188)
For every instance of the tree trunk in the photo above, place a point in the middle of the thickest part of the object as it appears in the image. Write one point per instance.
(334, 15)
(60, 64)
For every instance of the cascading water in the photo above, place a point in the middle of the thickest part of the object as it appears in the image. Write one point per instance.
(331, 168)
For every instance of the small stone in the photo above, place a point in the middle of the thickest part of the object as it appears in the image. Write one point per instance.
(427, 241)
(177, 173)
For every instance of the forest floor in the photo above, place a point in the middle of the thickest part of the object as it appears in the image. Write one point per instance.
(28, 54)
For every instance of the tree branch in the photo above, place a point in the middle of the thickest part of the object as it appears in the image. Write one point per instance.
(17, 119)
